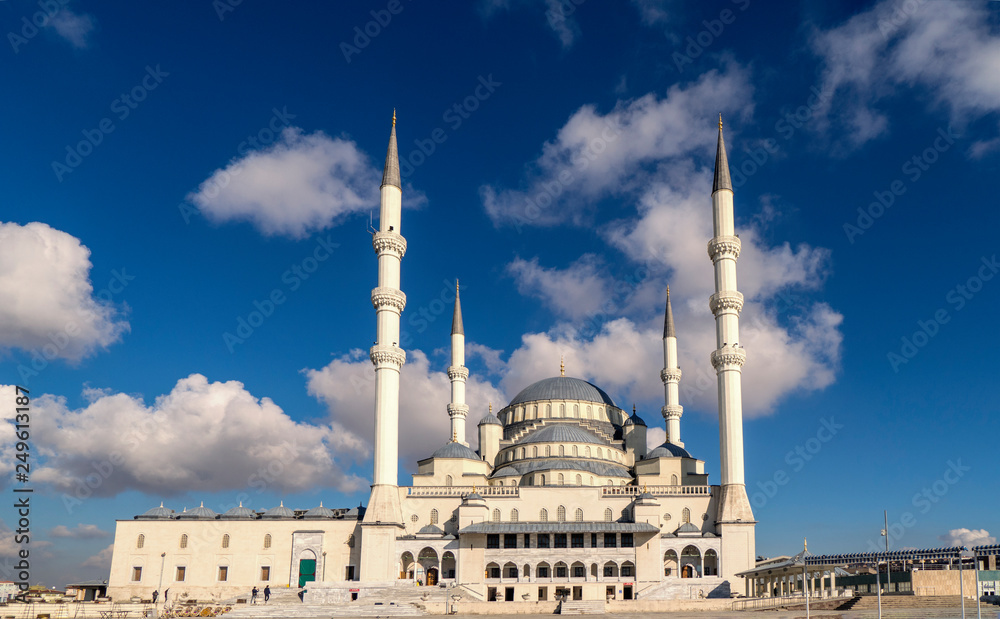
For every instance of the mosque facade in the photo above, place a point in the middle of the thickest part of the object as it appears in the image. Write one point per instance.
(561, 498)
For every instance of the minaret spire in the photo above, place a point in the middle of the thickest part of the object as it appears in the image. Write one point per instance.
(734, 519)
(390, 173)
(671, 377)
(458, 410)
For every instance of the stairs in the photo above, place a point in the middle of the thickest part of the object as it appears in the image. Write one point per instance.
(400, 601)
(849, 604)
(581, 607)
(889, 602)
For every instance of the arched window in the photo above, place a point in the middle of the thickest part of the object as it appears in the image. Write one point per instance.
(543, 480)
(576, 451)
(543, 516)
(591, 480)
(562, 479)
(611, 482)
(608, 515)
(225, 541)
(548, 410)
(673, 480)
(686, 515)
(267, 541)
(534, 451)
(496, 515)
(510, 455)
(579, 480)
(434, 516)
(590, 412)
(534, 411)
(548, 450)
(600, 454)
(576, 411)
(579, 515)
(587, 452)
(562, 451)
(501, 483)
(562, 410)
(513, 515)
(448, 481)
(561, 514)
(140, 541)
(184, 540)
(520, 454)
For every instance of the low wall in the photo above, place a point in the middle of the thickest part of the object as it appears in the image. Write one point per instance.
(664, 606)
(943, 582)
(497, 608)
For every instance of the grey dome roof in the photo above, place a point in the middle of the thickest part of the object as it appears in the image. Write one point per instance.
(319, 512)
(279, 512)
(455, 450)
(474, 496)
(635, 420)
(157, 513)
(562, 388)
(561, 433)
(687, 527)
(490, 419)
(668, 450)
(201, 512)
(507, 471)
(240, 512)
(597, 467)
(431, 530)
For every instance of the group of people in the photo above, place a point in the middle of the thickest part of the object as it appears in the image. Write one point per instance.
(254, 592)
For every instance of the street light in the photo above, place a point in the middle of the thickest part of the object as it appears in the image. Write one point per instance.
(163, 560)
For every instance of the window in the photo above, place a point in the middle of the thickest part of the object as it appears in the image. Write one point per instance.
(673, 480)
(561, 570)
(179, 576)
(225, 541)
(543, 515)
(579, 515)
(560, 540)
(520, 454)
(579, 480)
(136, 574)
(593, 540)
(513, 515)
(579, 571)
(562, 480)
(666, 517)
(496, 515)
(184, 541)
(576, 451)
(448, 481)
(543, 480)
(610, 540)
(587, 452)
(576, 410)
(140, 541)
(493, 540)
(577, 540)
(265, 572)
(600, 454)
(434, 516)
(534, 451)
(609, 570)
(542, 571)
(543, 592)
(562, 451)
(494, 572)
(627, 540)
(561, 514)
(608, 515)
(223, 573)
(686, 515)
(626, 570)
(510, 540)
(543, 542)
(267, 541)
(414, 518)
(548, 450)
(510, 455)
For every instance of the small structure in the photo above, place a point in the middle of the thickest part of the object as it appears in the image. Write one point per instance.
(87, 590)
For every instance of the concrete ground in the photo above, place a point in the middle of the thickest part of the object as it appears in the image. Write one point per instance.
(988, 612)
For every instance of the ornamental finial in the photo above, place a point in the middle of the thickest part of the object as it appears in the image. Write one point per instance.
(720, 118)
(562, 366)
(633, 409)
(394, 118)
(491, 408)
(805, 545)
(454, 436)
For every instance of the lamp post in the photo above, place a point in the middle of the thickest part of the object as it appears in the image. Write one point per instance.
(979, 605)
(961, 584)
(878, 585)
(163, 560)
(888, 565)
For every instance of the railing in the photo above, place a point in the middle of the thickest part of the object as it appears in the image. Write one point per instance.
(786, 600)
(656, 490)
(461, 491)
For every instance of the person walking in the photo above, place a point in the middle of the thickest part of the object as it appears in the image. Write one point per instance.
(267, 593)
(253, 596)
(156, 594)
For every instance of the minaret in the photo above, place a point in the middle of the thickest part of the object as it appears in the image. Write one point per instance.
(458, 410)
(383, 517)
(735, 518)
(671, 377)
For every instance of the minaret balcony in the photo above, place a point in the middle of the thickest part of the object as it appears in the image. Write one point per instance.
(728, 358)
(458, 372)
(458, 410)
(670, 375)
(726, 301)
(672, 411)
(391, 243)
(388, 297)
(387, 356)
(722, 247)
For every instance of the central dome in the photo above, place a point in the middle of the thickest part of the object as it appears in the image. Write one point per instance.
(562, 388)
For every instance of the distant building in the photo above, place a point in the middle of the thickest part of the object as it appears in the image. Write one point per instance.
(7, 590)
(561, 498)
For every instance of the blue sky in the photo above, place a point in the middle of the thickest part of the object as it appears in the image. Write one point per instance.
(172, 170)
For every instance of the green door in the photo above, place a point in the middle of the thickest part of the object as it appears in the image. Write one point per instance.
(307, 571)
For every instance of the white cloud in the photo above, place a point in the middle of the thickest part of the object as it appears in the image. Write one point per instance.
(968, 537)
(101, 559)
(347, 386)
(896, 45)
(47, 301)
(559, 15)
(595, 155)
(300, 184)
(574, 292)
(200, 437)
(653, 12)
(72, 27)
(80, 531)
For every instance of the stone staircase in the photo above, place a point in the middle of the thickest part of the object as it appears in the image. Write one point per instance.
(870, 602)
(399, 601)
(581, 607)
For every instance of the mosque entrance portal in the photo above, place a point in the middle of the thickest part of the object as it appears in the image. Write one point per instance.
(307, 571)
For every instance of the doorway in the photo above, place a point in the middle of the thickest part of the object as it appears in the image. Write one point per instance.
(307, 571)
(432, 577)
(349, 573)
(627, 592)
(577, 593)
(508, 594)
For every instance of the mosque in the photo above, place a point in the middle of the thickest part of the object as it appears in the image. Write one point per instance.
(562, 497)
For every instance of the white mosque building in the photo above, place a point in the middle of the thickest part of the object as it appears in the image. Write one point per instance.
(562, 496)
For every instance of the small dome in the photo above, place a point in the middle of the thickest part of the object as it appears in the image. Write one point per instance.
(157, 513)
(635, 420)
(687, 527)
(355, 513)
(668, 450)
(507, 471)
(490, 420)
(562, 388)
(646, 495)
(474, 496)
(430, 530)
(318, 512)
(561, 433)
(240, 512)
(455, 450)
(279, 512)
(199, 513)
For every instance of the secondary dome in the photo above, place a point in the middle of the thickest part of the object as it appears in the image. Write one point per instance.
(157, 513)
(562, 388)
(668, 450)
(561, 433)
(455, 450)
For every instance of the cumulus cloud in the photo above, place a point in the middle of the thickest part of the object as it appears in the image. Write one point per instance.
(653, 12)
(577, 291)
(968, 537)
(299, 184)
(595, 155)
(559, 15)
(73, 27)
(101, 559)
(61, 317)
(80, 531)
(896, 45)
(347, 386)
(201, 437)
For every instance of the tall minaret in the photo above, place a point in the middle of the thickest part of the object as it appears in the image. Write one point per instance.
(383, 517)
(735, 518)
(671, 377)
(458, 410)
